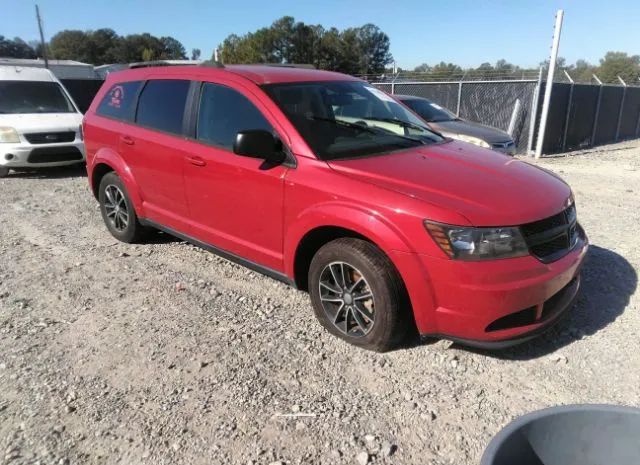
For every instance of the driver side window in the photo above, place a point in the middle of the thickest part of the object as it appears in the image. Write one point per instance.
(224, 112)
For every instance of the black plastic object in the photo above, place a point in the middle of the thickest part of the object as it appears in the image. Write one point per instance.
(569, 435)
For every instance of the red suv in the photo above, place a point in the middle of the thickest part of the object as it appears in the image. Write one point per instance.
(324, 182)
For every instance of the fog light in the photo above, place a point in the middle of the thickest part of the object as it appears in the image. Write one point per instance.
(9, 156)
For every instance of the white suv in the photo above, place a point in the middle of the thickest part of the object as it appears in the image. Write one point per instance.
(40, 125)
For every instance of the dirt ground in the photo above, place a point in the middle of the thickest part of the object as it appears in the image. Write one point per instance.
(165, 354)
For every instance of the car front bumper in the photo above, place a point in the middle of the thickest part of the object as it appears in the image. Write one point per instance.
(25, 155)
(492, 304)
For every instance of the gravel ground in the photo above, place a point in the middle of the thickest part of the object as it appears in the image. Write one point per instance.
(165, 354)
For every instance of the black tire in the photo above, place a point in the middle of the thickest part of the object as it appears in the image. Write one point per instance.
(391, 309)
(133, 231)
(4, 171)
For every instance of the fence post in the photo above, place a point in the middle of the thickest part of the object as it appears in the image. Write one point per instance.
(515, 116)
(624, 94)
(567, 118)
(549, 86)
(460, 95)
(595, 118)
(534, 112)
(393, 84)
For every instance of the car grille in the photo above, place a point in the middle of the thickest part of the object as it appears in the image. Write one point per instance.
(50, 137)
(552, 238)
(503, 145)
(54, 154)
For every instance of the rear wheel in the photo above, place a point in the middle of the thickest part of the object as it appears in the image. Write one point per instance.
(358, 295)
(117, 210)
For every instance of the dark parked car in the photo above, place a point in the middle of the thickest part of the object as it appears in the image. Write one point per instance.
(449, 125)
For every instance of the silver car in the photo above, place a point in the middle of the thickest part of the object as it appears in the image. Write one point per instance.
(449, 125)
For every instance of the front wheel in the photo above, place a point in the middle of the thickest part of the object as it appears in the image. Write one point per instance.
(358, 295)
(4, 171)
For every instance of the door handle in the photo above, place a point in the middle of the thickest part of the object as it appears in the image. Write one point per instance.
(197, 161)
(127, 140)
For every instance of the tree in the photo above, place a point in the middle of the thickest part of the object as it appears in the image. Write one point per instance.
(447, 70)
(423, 68)
(195, 53)
(71, 45)
(172, 49)
(616, 64)
(374, 49)
(104, 46)
(582, 71)
(362, 50)
(16, 48)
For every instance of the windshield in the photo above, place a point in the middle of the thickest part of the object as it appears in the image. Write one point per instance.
(345, 119)
(33, 97)
(429, 111)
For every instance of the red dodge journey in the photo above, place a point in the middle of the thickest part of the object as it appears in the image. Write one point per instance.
(322, 181)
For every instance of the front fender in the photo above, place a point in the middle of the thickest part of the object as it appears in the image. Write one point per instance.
(384, 234)
(113, 160)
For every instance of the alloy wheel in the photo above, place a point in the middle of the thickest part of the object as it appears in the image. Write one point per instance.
(347, 299)
(116, 207)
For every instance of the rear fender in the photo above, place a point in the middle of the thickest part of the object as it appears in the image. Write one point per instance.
(112, 159)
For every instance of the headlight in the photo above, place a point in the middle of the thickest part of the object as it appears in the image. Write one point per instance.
(9, 135)
(470, 140)
(471, 244)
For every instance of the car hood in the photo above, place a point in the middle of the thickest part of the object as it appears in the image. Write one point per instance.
(42, 122)
(486, 187)
(467, 128)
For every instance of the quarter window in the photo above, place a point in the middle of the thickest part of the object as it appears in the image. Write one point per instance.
(223, 113)
(161, 105)
(119, 102)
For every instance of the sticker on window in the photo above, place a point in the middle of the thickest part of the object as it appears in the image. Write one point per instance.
(117, 95)
(436, 106)
(378, 93)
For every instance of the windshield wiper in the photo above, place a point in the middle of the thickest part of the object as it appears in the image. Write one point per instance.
(362, 128)
(346, 124)
(404, 124)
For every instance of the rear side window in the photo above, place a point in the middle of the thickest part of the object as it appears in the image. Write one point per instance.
(223, 113)
(161, 105)
(119, 102)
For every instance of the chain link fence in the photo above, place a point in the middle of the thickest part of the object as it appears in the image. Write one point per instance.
(498, 103)
(580, 115)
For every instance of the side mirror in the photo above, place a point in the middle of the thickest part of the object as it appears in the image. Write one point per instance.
(258, 143)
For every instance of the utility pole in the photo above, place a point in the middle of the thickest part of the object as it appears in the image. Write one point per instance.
(44, 47)
(549, 85)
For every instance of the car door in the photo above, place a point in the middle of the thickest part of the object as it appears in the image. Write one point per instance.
(154, 151)
(235, 202)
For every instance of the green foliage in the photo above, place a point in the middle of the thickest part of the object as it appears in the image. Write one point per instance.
(361, 50)
(16, 48)
(104, 46)
(616, 64)
(195, 53)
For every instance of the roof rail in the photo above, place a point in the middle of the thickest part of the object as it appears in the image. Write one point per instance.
(147, 64)
(292, 65)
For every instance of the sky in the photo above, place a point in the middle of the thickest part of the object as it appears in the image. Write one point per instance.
(464, 32)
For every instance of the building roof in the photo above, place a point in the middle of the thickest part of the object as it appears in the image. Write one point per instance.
(40, 62)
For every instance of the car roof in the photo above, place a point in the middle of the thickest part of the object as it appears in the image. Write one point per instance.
(25, 73)
(259, 74)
